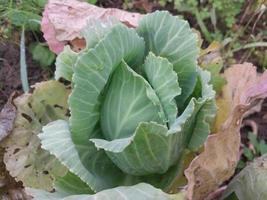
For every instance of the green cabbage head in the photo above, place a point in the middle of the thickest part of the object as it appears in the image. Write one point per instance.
(138, 103)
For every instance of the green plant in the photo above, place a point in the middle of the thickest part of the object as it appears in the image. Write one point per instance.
(213, 17)
(139, 103)
(92, 1)
(227, 10)
(211, 12)
(41, 53)
(259, 147)
(26, 15)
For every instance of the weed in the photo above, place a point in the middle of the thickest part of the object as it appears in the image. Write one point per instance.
(256, 149)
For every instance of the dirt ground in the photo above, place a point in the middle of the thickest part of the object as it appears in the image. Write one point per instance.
(10, 71)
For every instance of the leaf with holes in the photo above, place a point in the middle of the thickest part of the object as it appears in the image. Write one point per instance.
(24, 159)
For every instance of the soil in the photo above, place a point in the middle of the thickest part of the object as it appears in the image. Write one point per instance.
(256, 123)
(10, 71)
(110, 3)
(261, 119)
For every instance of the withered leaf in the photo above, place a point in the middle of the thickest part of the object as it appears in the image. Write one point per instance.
(7, 117)
(63, 21)
(217, 162)
(24, 159)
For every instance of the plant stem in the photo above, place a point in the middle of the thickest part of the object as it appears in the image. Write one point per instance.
(10, 4)
(251, 45)
(202, 26)
(23, 65)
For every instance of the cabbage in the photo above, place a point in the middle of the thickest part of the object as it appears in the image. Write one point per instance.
(139, 102)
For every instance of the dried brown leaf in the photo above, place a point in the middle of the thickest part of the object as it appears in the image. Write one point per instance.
(24, 159)
(217, 162)
(7, 117)
(63, 20)
(9, 188)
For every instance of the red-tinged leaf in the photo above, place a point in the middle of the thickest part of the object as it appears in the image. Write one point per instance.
(63, 21)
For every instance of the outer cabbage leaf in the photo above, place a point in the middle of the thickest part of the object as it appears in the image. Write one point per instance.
(94, 31)
(138, 155)
(250, 183)
(70, 184)
(56, 138)
(65, 63)
(140, 191)
(170, 37)
(24, 158)
(206, 114)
